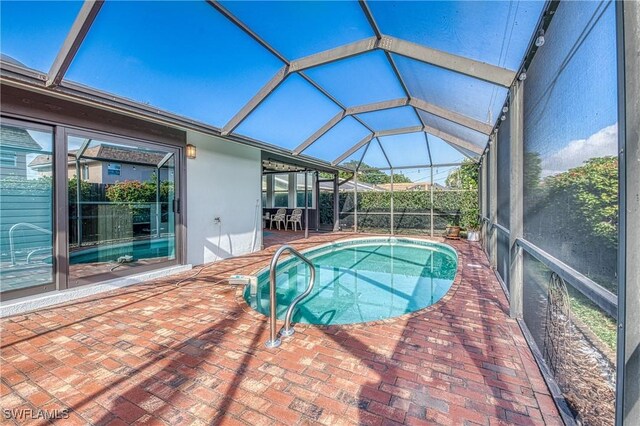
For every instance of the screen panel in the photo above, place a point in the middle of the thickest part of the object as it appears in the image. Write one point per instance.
(570, 142)
(298, 29)
(444, 153)
(406, 150)
(388, 119)
(291, 114)
(359, 80)
(339, 139)
(454, 129)
(183, 57)
(374, 157)
(576, 339)
(503, 154)
(503, 257)
(453, 91)
(494, 32)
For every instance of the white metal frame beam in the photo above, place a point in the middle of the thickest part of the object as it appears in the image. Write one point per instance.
(353, 149)
(376, 29)
(257, 99)
(378, 106)
(332, 55)
(451, 140)
(399, 131)
(452, 116)
(243, 114)
(72, 42)
(396, 103)
(480, 70)
(460, 64)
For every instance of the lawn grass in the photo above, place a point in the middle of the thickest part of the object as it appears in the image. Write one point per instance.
(601, 324)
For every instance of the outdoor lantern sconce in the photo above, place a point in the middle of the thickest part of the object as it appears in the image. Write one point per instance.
(191, 151)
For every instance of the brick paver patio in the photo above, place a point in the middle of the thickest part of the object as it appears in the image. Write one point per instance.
(194, 353)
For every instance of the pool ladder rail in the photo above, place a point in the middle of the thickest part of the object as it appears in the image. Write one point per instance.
(287, 330)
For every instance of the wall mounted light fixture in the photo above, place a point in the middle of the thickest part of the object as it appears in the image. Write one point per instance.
(191, 151)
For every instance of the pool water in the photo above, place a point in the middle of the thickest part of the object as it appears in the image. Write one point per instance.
(142, 249)
(360, 280)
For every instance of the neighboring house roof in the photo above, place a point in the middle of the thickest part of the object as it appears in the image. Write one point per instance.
(9, 59)
(349, 186)
(121, 153)
(41, 160)
(17, 137)
(109, 153)
(405, 186)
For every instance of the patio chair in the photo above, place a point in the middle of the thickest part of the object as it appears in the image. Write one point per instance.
(278, 217)
(295, 219)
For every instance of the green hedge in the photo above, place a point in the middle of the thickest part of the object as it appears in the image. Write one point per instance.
(411, 209)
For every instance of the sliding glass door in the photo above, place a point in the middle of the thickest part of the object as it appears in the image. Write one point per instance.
(78, 207)
(26, 208)
(122, 207)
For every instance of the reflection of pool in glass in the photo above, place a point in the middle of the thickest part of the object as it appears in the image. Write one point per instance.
(142, 249)
(360, 280)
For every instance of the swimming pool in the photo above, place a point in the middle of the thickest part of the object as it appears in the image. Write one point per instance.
(360, 280)
(141, 249)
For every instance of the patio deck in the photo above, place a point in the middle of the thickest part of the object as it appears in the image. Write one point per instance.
(194, 354)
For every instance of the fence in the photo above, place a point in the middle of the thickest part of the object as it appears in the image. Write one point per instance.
(378, 209)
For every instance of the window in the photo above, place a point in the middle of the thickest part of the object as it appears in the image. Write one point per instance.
(123, 217)
(26, 241)
(300, 190)
(113, 169)
(264, 191)
(8, 159)
(281, 190)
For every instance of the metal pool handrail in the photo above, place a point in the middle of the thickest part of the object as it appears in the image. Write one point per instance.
(11, 244)
(287, 330)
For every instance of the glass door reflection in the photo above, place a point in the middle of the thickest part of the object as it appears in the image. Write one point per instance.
(121, 208)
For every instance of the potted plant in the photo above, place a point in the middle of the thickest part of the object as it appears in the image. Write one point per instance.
(473, 230)
(453, 228)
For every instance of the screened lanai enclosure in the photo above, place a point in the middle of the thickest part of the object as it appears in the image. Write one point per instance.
(141, 135)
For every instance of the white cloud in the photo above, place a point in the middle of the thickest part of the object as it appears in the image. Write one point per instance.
(602, 143)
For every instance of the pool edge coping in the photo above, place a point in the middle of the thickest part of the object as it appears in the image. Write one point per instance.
(457, 280)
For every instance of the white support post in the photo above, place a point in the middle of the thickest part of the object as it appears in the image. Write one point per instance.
(306, 205)
(73, 41)
(392, 221)
(336, 203)
(431, 191)
(355, 201)
(628, 365)
(493, 203)
(516, 229)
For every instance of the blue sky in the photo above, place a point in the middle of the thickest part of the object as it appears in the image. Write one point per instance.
(186, 58)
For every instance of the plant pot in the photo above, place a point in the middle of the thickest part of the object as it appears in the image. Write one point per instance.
(453, 232)
(473, 235)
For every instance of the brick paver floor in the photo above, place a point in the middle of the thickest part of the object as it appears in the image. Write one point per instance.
(193, 353)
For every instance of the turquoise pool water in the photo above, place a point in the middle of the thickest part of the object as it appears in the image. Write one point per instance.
(360, 280)
(142, 249)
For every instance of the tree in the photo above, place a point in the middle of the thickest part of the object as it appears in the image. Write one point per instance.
(532, 171)
(589, 193)
(369, 174)
(464, 177)
(85, 190)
